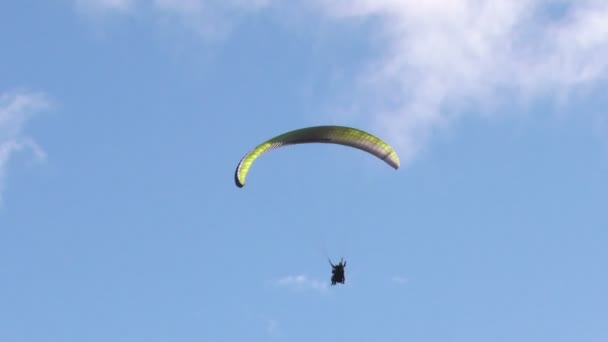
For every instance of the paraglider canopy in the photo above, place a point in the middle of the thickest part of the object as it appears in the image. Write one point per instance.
(340, 135)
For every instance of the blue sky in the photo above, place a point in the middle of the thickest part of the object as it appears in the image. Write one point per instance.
(121, 123)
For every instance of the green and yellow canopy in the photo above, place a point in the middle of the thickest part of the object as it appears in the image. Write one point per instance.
(340, 135)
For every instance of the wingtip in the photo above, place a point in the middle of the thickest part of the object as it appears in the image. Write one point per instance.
(237, 181)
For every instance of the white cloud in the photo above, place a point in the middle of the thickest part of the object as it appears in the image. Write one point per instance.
(15, 110)
(302, 282)
(444, 57)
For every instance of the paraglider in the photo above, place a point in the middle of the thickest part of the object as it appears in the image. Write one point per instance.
(340, 135)
(337, 272)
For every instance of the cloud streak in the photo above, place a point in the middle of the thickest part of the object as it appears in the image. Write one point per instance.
(301, 282)
(16, 109)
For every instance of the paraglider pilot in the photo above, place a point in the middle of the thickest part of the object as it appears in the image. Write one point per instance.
(337, 272)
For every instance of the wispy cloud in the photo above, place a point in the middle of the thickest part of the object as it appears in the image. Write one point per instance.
(442, 58)
(16, 109)
(302, 282)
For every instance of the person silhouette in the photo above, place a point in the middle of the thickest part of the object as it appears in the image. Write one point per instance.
(337, 272)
